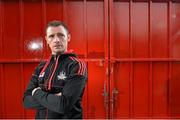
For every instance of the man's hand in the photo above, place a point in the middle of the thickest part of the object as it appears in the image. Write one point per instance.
(35, 90)
(59, 94)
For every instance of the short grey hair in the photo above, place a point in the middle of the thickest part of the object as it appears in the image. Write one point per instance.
(56, 23)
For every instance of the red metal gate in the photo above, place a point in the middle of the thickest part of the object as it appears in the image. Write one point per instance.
(144, 39)
(132, 48)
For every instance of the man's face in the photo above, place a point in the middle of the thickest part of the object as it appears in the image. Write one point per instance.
(57, 39)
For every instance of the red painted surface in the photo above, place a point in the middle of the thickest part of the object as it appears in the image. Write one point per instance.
(132, 49)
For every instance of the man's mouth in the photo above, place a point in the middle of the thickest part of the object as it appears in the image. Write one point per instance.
(57, 46)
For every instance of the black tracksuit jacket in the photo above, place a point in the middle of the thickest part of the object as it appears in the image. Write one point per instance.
(63, 73)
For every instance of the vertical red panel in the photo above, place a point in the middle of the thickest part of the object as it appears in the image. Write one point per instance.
(159, 30)
(95, 87)
(175, 41)
(140, 90)
(121, 29)
(159, 47)
(1, 30)
(32, 29)
(96, 41)
(13, 92)
(1, 69)
(121, 49)
(1, 101)
(150, 92)
(54, 10)
(175, 33)
(121, 82)
(174, 91)
(139, 18)
(95, 29)
(85, 96)
(11, 33)
(75, 20)
(139, 21)
(1, 93)
(160, 93)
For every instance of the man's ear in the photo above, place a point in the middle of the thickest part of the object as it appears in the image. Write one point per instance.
(69, 37)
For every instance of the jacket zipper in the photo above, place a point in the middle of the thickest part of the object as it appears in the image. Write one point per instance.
(52, 75)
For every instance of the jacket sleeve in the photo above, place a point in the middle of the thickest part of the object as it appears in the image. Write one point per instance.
(28, 100)
(71, 92)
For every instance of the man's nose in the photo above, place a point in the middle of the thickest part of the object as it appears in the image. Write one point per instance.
(57, 39)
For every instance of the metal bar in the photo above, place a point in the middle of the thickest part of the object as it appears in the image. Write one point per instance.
(2, 55)
(150, 90)
(64, 11)
(96, 60)
(169, 89)
(85, 26)
(1, 85)
(111, 54)
(44, 21)
(131, 97)
(107, 38)
(1, 29)
(131, 82)
(107, 29)
(21, 12)
(106, 89)
(169, 55)
(86, 51)
(146, 60)
(20, 60)
(39, 60)
(22, 84)
(111, 32)
(3, 92)
(177, 1)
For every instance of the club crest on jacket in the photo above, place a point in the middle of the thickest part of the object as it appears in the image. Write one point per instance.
(62, 76)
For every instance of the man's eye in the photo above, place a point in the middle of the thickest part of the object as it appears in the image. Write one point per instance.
(51, 36)
(60, 35)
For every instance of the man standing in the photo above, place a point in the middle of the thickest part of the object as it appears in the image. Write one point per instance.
(57, 85)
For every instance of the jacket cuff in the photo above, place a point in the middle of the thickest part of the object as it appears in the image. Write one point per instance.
(38, 93)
